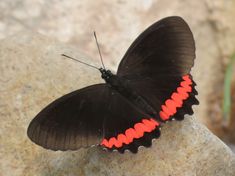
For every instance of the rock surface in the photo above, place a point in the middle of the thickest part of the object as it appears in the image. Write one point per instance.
(33, 74)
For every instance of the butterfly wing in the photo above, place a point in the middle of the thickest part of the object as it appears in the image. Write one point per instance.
(88, 117)
(158, 63)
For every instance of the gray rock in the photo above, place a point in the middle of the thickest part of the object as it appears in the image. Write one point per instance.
(33, 74)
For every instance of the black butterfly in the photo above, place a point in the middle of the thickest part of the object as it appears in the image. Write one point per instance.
(152, 85)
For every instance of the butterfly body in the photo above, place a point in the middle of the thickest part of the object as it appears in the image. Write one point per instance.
(121, 86)
(153, 85)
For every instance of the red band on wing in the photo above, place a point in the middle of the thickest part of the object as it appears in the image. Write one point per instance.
(147, 125)
(176, 100)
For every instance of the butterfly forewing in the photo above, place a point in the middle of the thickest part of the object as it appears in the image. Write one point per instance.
(71, 121)
(165, 48)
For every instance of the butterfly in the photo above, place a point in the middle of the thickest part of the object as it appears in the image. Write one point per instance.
(153, 85)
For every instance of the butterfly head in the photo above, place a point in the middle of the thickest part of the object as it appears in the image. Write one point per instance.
(105, 74)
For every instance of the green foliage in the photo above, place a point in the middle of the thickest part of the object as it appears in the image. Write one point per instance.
(227, 88)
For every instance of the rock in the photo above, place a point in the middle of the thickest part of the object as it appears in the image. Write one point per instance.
(33, 73)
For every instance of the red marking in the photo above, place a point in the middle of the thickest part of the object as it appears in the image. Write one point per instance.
(186, 85)
(182, 92)
(154, 122)
(187, 78)
(122, 138)
(163, 115)
(176, 100)
(147, 125)
(130, 133)
(111, 142)
(139, 131)
(170, 104)
(166, 110)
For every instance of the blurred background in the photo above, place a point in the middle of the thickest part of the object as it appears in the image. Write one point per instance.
(118, 22)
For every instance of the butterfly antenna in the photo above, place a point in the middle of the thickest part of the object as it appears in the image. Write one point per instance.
(99, 49)
(80, 61)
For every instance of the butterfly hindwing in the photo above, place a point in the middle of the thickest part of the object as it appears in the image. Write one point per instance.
(127, 127)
